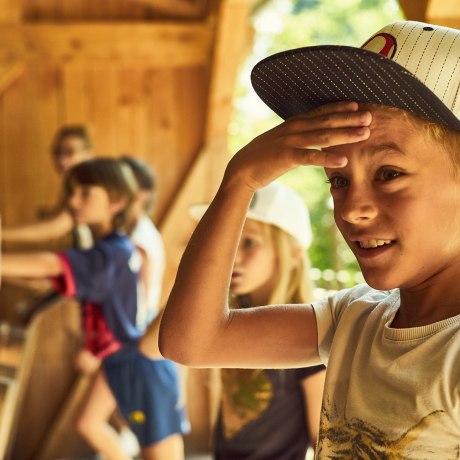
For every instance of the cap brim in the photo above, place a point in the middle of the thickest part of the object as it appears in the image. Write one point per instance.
(296, 81)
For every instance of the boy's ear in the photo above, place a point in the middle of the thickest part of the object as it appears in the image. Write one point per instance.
(118, 205)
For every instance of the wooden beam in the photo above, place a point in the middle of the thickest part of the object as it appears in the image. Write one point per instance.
(11, 11)
(177, 8)
(444, 13)
(233, 37)
(165, 44)
(58, 433)
(233, 34)
(414, 10)
(9, 73)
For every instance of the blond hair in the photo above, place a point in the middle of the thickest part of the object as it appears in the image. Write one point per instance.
(293, 284)
(447, 138)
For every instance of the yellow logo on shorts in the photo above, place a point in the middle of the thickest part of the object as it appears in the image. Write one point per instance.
(137, 417)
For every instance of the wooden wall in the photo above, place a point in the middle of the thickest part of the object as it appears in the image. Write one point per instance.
(139, 80)
(152, 78)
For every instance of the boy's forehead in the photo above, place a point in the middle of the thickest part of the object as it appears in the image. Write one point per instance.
(393, 132)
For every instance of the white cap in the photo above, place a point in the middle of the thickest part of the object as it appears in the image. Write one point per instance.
(409, 65)
(276, 205)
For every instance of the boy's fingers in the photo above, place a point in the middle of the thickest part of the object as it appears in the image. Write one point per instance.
(329, 120)
(326, 109)
(320, 158)
(330, 137)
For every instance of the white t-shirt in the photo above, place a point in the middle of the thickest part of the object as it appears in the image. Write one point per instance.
(147, 237)
(389, 393)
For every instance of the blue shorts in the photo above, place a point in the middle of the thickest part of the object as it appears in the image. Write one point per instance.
(147, 394)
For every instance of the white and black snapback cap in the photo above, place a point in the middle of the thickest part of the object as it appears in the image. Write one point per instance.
(409, 65)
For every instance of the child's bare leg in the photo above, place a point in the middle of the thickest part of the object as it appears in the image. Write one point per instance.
(93, 423)
(170, 448)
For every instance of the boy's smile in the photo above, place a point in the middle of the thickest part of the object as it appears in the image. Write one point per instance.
(393, 202)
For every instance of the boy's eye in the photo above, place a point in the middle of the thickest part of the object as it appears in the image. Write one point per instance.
(387, 174)
(337, 181)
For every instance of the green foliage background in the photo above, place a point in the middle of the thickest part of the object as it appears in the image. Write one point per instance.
(282, 25)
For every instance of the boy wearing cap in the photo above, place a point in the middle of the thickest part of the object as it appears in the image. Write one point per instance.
(387, 130)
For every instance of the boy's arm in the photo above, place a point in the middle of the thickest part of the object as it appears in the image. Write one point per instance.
(198, 328)
(31, 265)
(45, 230)
(149, 342)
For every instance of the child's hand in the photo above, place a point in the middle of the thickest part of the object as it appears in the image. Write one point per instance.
(297, 142)
(86, 362)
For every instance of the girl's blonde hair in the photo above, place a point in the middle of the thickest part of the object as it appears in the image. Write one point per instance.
(293, 284)
(115, 177)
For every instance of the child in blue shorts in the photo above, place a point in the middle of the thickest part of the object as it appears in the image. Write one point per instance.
(105, 280)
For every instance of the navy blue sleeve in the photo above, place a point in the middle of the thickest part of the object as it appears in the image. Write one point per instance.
(93, 272)
(304, 372)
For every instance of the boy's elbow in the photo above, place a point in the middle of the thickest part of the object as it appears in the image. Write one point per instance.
(178, 350)
(173, 352)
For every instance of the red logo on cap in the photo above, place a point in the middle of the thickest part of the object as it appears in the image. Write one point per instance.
(375, 44)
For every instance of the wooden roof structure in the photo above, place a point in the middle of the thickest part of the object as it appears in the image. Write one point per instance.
(152, 78)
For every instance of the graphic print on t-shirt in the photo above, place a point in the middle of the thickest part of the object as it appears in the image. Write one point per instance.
(246, 395)
(355, 438)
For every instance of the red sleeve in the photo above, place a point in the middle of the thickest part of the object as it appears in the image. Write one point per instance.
(65, 283)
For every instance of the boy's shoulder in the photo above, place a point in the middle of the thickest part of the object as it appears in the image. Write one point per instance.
(363, 292)
(358, 298)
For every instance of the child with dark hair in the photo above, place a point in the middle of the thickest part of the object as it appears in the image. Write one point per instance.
(105, 280)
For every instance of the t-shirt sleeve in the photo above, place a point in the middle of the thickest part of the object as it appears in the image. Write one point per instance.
(87, 274)
(328, 313)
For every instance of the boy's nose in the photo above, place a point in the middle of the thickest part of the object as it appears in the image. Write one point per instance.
(358, 206)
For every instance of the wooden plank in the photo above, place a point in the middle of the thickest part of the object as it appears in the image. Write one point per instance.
(10, 11)
(177, 8)
(414, 11)
(37, 10)
(74, 93)
(50, 371)
(206, 173)
(164, 135)
(103, 95)
(10, 71)
(162, 44)
(232, 40)
(58, 443)
(446, 9)
(131, 116)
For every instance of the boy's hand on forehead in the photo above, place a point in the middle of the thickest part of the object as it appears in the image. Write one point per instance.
(298, 141)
